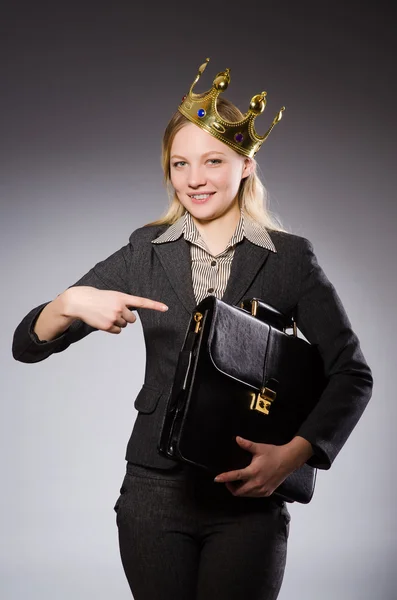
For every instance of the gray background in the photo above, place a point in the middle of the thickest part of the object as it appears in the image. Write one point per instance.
(86, 94)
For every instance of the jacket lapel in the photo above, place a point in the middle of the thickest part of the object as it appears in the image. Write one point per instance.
(247, 261)
(175, 259)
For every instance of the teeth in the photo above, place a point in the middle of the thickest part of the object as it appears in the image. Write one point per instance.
(201, 196)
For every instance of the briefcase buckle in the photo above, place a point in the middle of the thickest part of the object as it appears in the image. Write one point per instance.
(197, 318)
(262, 401)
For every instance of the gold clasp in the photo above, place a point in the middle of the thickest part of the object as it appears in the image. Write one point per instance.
(197, 317)
(263, 400)
(254, 307)
(294, 328)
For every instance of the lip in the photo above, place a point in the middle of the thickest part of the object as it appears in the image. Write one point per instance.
(197, 201)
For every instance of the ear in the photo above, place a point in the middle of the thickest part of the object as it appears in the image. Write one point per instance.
(249, 167)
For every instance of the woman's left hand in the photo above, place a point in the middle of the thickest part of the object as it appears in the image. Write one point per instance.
(269, 466)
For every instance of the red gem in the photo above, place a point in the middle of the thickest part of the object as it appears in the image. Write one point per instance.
(184, 98)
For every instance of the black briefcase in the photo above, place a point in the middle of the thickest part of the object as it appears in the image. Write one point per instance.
(240, 373)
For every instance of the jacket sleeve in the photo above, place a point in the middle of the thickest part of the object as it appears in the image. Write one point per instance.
(109, 274)
(323, 321)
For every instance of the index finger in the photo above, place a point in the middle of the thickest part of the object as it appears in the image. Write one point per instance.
(139, 302)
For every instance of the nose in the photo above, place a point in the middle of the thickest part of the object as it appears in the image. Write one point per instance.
(196, 177)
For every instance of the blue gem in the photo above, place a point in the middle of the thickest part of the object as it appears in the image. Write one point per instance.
(201, 112)
(239, 137)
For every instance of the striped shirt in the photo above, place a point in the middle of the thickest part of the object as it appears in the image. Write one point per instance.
(210, 273)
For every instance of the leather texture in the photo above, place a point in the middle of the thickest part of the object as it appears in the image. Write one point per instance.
(219, 375)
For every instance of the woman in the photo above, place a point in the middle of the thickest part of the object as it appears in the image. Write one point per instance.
(183, 535)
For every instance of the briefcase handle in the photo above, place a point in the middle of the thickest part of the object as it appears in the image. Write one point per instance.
(268, 313)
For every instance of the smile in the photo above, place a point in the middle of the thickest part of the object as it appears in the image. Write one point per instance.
(201, 197)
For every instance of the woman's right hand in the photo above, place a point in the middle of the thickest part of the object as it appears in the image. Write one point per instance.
(106, 310)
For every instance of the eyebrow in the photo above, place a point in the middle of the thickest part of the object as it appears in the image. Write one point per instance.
(206, 154)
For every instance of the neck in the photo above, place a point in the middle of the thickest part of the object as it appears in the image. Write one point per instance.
(217, 232)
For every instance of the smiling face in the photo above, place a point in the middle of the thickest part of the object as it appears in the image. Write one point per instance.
(206, 173)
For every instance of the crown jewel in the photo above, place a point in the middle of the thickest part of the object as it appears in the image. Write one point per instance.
(240, 135)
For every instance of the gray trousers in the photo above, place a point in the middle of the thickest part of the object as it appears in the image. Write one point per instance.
(184, 537)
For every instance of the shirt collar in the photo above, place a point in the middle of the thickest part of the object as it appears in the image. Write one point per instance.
(246, 227)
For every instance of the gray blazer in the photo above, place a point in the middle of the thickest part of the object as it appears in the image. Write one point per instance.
(289, 279)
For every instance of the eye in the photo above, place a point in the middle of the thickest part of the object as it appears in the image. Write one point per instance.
(179, 163)
(215, 161)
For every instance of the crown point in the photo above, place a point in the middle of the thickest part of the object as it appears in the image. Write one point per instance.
(221, 81)
(257, 104)
(279, 115)
(203, 66)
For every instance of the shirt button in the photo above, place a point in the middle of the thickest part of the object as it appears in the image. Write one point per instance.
(211, 290)
(213, 263)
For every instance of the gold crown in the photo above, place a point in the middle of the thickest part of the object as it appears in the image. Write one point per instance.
(239, 135)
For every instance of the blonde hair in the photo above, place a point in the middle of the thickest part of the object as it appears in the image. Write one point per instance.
(252, 195)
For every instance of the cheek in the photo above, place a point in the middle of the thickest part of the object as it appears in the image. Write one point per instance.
(229, 180)
(176, 179)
